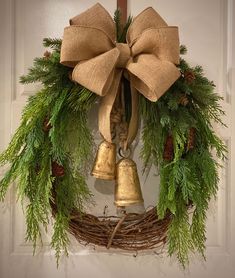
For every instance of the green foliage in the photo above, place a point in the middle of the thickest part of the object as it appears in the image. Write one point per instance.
(179, 237)
(60, 238)
(33, 149)
(54, 44)
(192, 176)
(121, 30)
(71, 193)
(183, 50)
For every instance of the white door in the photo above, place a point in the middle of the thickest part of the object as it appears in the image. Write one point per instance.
(207, 27)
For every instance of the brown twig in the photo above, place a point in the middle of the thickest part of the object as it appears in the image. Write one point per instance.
(115, 230)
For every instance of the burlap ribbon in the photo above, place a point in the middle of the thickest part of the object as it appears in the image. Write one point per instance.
(149, 57)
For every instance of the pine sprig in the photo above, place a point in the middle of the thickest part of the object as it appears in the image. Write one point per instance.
(117, 20)
(121, 30)
(54, 44)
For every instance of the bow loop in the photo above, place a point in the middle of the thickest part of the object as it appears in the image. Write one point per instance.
(81, 43)
(162, 42)
(100, 70)
(147, 19)
(152, 77)
(96, 17)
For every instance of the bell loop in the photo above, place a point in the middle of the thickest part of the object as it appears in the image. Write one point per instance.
(125, 153)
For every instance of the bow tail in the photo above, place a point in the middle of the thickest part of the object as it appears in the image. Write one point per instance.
(106, 105)
(105, 108)
(134, 121)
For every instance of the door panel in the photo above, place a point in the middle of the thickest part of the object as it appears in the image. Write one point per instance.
(207, 28)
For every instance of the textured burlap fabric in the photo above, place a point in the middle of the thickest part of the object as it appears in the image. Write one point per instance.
(149, 58)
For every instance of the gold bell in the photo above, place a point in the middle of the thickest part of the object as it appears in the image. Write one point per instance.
(127, 189)
(105, 162)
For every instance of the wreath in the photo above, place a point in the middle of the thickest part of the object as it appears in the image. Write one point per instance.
(139, 78)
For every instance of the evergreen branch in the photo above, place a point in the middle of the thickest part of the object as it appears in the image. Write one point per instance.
(122, 36)
(121, 30)
(117, 21)
(192, 176)
(179, 236)
(60, 239)
(32, 149)
(183, 49)
(33, 231)
(55, 44)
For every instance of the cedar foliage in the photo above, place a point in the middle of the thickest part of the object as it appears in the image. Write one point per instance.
(32, 150)
(189, 177)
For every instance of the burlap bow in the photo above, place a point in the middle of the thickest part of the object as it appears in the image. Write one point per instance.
(149, 57)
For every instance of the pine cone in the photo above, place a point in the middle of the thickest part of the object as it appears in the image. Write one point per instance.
(189, 76)
(46, 125)
(183, 100)
(47, 54)
(57, 170)
(191, 138)
(168, 153)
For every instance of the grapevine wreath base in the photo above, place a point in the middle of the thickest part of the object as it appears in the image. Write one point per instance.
(132, 232)
(51, 153)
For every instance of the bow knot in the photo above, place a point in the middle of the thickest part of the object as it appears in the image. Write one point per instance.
(149, 57)
(124, 56)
